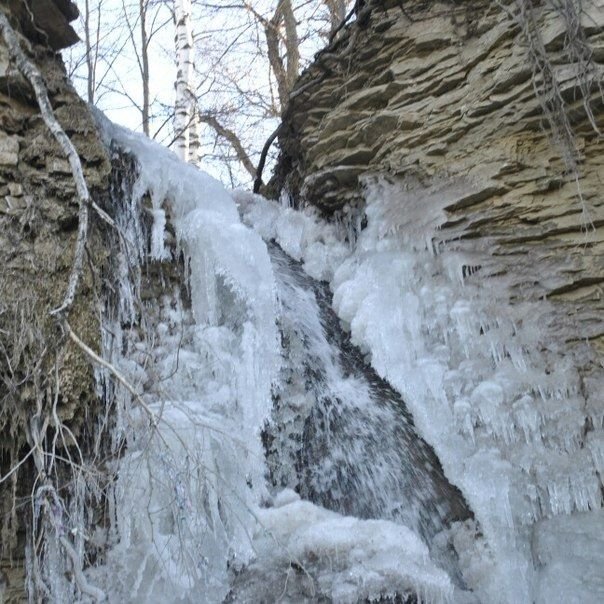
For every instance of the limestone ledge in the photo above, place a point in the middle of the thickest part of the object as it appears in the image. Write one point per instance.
(45, 22)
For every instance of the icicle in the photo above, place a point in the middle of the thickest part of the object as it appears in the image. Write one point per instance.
(595, 444)
(527, 417)
(463, 416)
(158, 250)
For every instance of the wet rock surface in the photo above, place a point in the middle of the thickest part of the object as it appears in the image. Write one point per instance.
(341, 436)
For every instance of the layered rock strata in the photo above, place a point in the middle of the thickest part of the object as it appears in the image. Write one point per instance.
(39, 368)
(439, 99)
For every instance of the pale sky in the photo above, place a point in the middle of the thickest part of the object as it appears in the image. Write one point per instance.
(226, 57)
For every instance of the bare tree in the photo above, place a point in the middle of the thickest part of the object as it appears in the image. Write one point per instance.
(92, 47)
(137, 28)
(279, 30)
(245, 81)
(99, 29)
(115, 34)
(227, 102)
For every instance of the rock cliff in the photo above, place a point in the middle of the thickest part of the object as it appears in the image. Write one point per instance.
(438, 99)
(431, 110)
(38, 225)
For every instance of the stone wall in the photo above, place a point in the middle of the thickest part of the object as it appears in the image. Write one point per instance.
(38, 225)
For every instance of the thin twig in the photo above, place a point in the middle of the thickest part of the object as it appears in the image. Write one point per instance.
(85, 587)
(16, 467)
(95, 358)
(154, 418)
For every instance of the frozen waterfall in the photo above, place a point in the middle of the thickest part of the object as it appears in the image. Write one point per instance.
(215, 492)
(286, 446)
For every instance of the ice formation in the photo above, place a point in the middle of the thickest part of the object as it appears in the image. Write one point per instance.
(486, 387)
(187, 488)
(186, 514)
(339, 435)
(190, 510)
(305, 552)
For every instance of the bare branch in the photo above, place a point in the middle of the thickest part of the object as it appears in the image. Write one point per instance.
(233, 140)
(97, 360)
(267, 146)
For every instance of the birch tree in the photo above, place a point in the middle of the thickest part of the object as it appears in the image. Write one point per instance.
(186, 124)
(222, 106)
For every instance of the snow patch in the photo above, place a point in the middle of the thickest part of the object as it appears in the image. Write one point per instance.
(348, 559)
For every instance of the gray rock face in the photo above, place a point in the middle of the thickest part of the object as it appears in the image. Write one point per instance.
(440, 98)
(38, 224)
(46, 21)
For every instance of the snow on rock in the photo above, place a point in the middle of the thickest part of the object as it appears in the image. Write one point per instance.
(317, 553)
(301, 234)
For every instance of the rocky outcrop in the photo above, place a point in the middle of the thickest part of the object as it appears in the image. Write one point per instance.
(439, 99)
(46, 22)
(39, 368)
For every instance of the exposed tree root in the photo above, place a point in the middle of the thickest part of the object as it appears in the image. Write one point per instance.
(34, 77)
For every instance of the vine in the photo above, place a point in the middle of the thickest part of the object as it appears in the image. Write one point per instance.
(546, 76)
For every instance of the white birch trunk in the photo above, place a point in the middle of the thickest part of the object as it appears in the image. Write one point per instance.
(185, 115)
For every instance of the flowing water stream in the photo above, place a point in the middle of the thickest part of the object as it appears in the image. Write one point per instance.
(341, 436)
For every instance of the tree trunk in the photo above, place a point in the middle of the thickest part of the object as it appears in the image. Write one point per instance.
(233, 140)
(292, 44)
(89, 62)
(337, 14)
(186, 130)
(144, 65)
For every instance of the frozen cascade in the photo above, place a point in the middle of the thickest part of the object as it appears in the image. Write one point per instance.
(190, 511)
(187, 514)
(201, 357)
(341, 436)
(482, 374)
